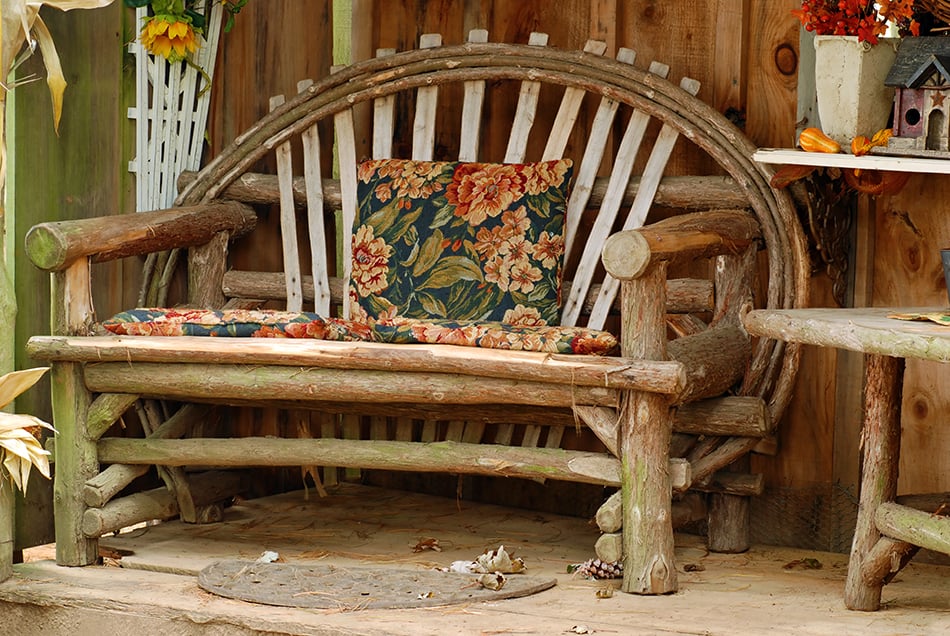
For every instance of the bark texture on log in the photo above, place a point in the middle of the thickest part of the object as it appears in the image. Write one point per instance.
(239, 384)
(207, 264)
(645, 431)
(683, 192)
(159, 503)
(604, 372)
(679, 239)
(713, 359)
(684, 295)
(452, 457)
(728, 523)
(923, 529)
(100, 489)
(55, 245)
(886, 559)
(880, 443)
(106, 409)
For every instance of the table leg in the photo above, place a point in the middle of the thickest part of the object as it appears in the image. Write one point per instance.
(880, 444)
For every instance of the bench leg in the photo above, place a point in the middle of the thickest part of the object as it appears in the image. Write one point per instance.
(728, 522)
(76, 462)
(728, 519)
(880, 443)
(646, 430)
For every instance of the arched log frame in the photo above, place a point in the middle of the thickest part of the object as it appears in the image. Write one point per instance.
(166, 369)
(774, 364)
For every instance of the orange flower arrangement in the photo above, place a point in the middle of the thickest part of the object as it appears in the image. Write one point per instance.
(865, 19)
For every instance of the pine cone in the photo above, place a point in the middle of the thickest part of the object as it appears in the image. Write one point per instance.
(597, 569)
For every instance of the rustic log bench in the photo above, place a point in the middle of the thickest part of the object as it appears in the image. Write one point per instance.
(677, 410)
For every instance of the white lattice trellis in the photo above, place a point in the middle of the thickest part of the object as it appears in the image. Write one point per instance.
(170, 115)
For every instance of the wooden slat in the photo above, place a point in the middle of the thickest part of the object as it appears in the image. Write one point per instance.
(453, 432)
(603, 226)
(427, 99)
(650, 181)
(557, 142)
(567, 112)
(346, 150)
(525, 111)
(474, 97)
(328, 430)
(288, 220)
(585, 175)
(429, 431)
(319, 264)
(350, 428)
(383, 117)
(404, 427)
(378, 427)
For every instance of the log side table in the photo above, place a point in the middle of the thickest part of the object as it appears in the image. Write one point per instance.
(887, 534)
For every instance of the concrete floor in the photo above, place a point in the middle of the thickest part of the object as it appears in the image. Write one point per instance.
(149, 584)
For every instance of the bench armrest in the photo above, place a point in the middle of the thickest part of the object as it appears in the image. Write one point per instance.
(54, 246)
(628, 254)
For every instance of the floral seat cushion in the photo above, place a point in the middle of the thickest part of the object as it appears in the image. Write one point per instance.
(283, 324)
(459, 241)
(235, 323)
(495, 335)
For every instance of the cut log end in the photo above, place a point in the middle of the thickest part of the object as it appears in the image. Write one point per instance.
(626, 255)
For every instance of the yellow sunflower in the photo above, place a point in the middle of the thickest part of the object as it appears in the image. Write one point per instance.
(169, 36)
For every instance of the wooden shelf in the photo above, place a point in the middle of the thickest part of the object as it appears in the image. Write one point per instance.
(842, 160)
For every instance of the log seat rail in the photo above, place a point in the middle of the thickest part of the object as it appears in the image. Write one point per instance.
(673, 415)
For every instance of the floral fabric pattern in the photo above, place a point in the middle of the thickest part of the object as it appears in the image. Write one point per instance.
(460, 241)
(283, 324)
(234, 323)
(495, 335)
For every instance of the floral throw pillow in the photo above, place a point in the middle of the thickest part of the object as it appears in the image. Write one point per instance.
(459, 241)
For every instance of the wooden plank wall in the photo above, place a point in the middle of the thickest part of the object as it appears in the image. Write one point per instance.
(81, 173)
(909, 231)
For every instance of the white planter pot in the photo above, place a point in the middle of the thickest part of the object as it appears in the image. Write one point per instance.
(849, 84)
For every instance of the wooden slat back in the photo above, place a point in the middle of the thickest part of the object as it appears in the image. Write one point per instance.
(347, 166)
(383, 119)
(606, 217)
(472, 101)
(586, 173)
(649, 183)
(567, 113)
(599, 135)
(319, 263)
(288, 220)
(427, 100)
(525, 111)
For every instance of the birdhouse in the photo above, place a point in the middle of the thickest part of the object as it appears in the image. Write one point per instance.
(921, 80)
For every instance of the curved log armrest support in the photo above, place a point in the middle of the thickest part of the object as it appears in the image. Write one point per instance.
(714, 359)
(55, 246)
(628, 254)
